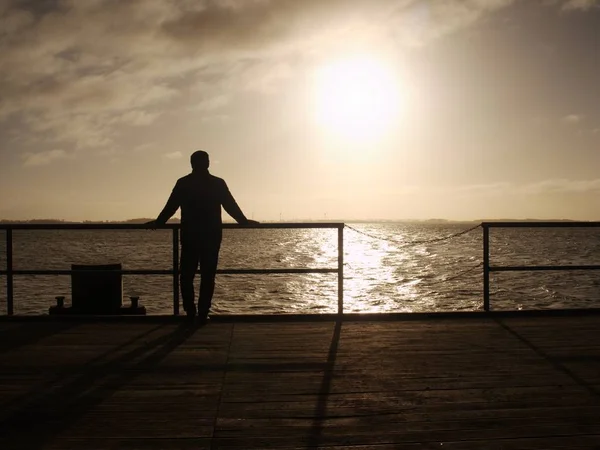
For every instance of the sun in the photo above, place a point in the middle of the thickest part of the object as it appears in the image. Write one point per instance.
(356, 98)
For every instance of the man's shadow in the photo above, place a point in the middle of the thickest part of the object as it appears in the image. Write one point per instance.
(35, 424)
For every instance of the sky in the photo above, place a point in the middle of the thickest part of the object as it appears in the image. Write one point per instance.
(312, 109)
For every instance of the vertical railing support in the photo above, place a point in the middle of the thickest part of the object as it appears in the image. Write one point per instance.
(9, 273)
(341, 270)
(486, 268)
(176, 271)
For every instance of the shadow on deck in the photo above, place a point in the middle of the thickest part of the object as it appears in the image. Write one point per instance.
(464, 383)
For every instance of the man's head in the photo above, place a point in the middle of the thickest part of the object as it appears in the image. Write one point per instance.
(199, 160)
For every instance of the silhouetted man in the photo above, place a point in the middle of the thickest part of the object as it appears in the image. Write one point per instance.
(200, 196)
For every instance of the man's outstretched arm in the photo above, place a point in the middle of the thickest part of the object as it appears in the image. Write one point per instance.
(170, 208)
(232, 208)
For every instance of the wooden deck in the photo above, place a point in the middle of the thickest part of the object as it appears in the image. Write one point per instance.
(466, 383)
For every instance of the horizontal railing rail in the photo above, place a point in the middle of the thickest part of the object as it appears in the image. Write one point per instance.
(541, 224)
(168, 226)
(10, 271)
(162, 271)
(487, 268)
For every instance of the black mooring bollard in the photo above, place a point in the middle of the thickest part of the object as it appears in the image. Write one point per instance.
(134, 301)
(60, 301)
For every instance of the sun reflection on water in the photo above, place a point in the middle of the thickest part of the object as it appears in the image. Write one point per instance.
(368, 265)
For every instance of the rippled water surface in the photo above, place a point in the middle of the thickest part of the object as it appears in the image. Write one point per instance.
(383, 273)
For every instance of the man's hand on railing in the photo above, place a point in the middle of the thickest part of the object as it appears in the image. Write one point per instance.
(152, 224)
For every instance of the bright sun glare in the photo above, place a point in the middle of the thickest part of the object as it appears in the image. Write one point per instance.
(356, 98)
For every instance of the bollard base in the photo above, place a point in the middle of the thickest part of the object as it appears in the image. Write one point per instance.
(123, 311)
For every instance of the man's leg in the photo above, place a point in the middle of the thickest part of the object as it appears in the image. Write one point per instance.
(209, 258)
(188, 265)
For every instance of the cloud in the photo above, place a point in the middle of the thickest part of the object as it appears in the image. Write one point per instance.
(135, 60)
(562, 186)
(211, 103)
(573, 118)
(144, 147)
(217, 118)
(488, 189)
(550, 186)
(419, 22)
(582, 5)
(137, 118)
(43, 158)
(173, 155)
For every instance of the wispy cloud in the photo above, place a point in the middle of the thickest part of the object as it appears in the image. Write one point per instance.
(173, 155)
(143, 147)
(483, 189)
(210, 104)
(566, 186)
(573, 118)
(137, 118)
(43, 158)
(550, 186)
(582, 5)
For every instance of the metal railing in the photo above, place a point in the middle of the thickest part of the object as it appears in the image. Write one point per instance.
(487, 269)
(10, 271)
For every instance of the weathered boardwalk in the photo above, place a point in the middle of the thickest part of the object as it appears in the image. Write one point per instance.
(475, 383)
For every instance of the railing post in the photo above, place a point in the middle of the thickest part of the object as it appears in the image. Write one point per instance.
(486, 268)
(9, 273)
(176, 271)
(341, 270)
